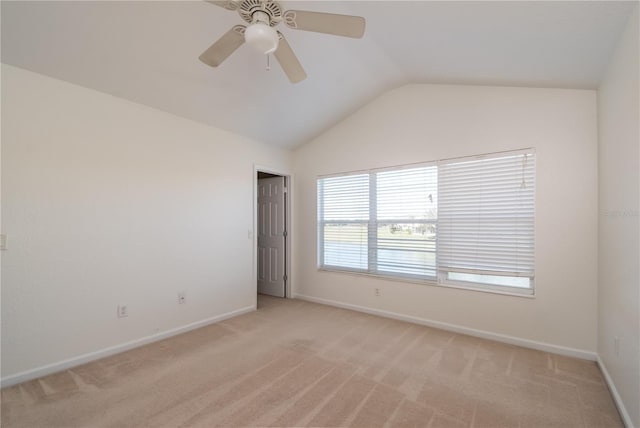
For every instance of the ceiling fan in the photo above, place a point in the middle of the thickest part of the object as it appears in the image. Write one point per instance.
(262, 16)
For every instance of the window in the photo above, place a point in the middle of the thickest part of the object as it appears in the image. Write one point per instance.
(344, 221)
(486, 221)
(466, 222)
(404, 227)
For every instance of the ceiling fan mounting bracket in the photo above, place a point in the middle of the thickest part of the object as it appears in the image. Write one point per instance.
(260, 16)
(239, 29)
(272, 9)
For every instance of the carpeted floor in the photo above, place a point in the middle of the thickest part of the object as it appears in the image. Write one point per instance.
(294, 363)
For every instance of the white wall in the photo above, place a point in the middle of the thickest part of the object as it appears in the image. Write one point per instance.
(619, 220)
(104, 202)
(427, 122)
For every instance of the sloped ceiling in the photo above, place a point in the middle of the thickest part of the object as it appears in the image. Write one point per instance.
(147, 52)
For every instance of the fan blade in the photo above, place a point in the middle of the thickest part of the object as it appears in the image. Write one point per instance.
(328, 23)
(288, 61)
(225, 46)
(227, 4)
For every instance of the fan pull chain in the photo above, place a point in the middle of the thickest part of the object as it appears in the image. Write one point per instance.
(268, 64)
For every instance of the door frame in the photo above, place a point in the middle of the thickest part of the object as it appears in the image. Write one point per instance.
(289, 293)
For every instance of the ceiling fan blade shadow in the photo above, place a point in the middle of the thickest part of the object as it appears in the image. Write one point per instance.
(227, 4)
(224, 46)
(328, 23)
(289, 61)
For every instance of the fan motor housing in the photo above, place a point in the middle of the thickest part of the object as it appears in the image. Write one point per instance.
(271, 8)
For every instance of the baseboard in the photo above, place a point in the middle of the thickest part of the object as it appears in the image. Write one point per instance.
(526, 343)
(626, 418)
(92, 356)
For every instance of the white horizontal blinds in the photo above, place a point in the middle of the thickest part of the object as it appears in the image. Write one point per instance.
(486, 215)
(406, 213)
(467, 220)
(408, 194)
(343, 213)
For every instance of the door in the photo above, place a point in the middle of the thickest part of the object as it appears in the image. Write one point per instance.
(271, 236)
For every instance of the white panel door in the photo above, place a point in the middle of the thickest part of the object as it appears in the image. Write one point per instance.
(271, 236)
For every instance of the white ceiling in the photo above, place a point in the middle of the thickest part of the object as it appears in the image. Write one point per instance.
(147, 52)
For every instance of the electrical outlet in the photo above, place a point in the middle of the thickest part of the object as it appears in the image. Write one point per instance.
(377, 291)
(123, 311)
(616, 346)
(182, 297)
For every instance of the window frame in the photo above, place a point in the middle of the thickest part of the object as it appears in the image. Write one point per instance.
(321, 223)
(374, 195)
(372, 225)
(438, 279)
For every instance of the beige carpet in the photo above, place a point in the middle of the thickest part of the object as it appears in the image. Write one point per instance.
(294, 363)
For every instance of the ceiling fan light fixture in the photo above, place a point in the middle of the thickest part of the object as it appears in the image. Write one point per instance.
(262, 16)
(262, 37)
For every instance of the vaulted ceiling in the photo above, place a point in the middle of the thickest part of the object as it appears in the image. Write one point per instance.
(147, 52)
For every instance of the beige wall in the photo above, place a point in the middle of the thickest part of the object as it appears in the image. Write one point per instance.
(106, 202)
(427, 122)
(619, 220)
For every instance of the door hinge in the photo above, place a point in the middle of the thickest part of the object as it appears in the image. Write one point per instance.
(285, 278)
(285, 233)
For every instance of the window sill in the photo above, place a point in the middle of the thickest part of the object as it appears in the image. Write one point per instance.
(528, 294)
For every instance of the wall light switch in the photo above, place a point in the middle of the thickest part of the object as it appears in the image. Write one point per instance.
(3, 242)
(123, 311)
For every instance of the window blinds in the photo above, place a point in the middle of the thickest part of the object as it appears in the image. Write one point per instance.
(462, 221)
(486, 215)
(406, 213)
(343, 218)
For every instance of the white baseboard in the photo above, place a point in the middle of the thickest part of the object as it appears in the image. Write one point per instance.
(626, 418)
(92, 356)
(526, 343)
